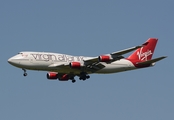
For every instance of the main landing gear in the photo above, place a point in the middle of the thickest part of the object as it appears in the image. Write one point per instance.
(25, 73)
(73, 80)
(84, 76)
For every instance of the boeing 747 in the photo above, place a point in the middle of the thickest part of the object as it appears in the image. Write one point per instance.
(65, 67)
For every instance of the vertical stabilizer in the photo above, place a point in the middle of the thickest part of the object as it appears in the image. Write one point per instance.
(144, 53)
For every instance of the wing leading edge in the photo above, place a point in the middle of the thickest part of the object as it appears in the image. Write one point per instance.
(117, 55)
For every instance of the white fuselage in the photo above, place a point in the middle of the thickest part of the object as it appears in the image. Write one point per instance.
(43, 60)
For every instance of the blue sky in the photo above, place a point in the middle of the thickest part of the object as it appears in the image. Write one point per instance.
(88, 28)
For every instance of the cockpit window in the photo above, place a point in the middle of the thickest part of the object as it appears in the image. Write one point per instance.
(23, 54)
(20, 53)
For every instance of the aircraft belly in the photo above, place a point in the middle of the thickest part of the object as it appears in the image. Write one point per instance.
(112, 69)
(117, 66)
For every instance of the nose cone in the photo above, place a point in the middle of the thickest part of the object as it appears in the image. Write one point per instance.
(11, 61)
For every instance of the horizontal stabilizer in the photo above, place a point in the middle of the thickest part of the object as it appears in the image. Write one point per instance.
(151, 61)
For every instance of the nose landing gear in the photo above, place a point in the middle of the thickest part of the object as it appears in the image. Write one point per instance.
(25, 73)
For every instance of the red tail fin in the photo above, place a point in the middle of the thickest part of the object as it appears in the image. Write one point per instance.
(145, 53)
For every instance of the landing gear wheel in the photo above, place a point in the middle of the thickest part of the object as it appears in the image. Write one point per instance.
(87, 76)
(84, 79)
(84, 76)
(25, 74)
(73, 81)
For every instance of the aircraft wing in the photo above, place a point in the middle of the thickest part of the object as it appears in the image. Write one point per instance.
(94, 64)
(89, 67)
(94, 67)
(117, 55)
(121, 52)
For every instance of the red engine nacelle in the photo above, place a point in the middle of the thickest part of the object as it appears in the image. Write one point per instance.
(76, 65)
(105, 58)
(64, 77)
(52, 75)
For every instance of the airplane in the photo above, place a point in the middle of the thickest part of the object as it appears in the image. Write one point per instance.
(64, 67)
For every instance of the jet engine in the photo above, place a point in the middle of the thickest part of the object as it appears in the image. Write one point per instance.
(52, 75)
(76, 64)
(55, 76)
(105, 58)
(109, 58)
(64, 77)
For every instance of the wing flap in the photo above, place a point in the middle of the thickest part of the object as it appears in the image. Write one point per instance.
(95, 67)
(93, 64)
